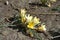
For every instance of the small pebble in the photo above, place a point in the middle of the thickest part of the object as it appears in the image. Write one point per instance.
(6, 3)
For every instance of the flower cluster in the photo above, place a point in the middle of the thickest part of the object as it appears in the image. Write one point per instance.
(31, 21)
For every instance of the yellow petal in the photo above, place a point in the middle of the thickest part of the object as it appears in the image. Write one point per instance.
(30, 25)
(31, 34)
(36, 20)
(29, 18)
(23, 11)
(49, 5)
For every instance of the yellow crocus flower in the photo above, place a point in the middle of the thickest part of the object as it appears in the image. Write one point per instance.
(33, 22)
(41, 28)
(23, 14)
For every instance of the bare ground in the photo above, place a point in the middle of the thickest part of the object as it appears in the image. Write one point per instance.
(49, 17)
